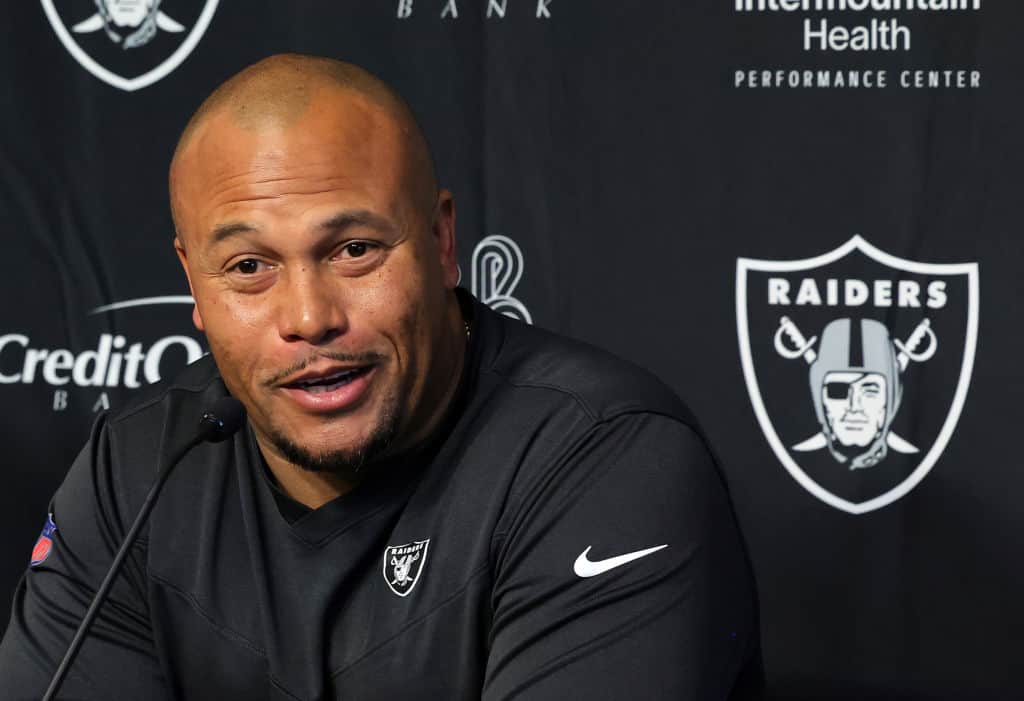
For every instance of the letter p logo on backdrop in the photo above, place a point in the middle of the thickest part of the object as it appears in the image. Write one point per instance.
(496, 269)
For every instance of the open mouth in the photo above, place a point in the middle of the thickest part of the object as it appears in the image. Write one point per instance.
(332, 382)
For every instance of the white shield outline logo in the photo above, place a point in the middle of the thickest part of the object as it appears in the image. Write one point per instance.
(147, 78)
(410, 574)
(967, 366)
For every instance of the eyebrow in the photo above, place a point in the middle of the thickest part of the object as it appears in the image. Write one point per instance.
(226, 231)
(339, 222)
(357, 217)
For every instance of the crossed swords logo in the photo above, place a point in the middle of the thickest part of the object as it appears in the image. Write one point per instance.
(154, 19)
(791, 344)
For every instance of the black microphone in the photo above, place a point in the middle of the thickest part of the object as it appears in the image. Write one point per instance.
(218, 423)
(222, 420)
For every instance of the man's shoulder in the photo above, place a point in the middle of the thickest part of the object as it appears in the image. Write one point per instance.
(126, 445)
(191, 390)
(602, 384)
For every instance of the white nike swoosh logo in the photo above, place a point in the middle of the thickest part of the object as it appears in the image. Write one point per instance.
(588, 568)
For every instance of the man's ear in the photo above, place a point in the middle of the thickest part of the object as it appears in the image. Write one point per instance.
(179, 248)
(444, 234)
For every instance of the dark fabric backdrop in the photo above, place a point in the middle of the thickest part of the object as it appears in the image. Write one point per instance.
(618, 181)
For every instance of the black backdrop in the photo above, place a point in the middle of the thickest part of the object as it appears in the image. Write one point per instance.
(640, 175)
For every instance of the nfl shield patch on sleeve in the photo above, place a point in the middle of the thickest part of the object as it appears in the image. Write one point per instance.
(44, 545)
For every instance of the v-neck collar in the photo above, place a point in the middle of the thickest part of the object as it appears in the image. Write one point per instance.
(388, 486)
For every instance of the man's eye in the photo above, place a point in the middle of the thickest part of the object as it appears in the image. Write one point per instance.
(356, 249)
(249, 266)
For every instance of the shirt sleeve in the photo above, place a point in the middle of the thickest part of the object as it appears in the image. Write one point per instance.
(621, 574)
(117, 658)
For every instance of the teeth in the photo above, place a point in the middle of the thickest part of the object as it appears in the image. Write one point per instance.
(329, 382)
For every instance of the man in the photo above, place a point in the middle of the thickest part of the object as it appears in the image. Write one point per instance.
(428, 501)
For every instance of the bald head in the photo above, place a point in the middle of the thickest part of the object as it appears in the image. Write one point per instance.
(278, 92)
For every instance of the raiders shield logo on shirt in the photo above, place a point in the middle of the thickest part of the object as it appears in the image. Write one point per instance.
(129, 44)
(857, 363)
(403, 565)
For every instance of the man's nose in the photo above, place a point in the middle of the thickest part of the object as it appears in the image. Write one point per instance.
(310, 308)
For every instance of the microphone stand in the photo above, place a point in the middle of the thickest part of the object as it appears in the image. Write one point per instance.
(212, 428)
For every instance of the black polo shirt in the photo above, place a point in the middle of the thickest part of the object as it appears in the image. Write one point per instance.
(565, 535)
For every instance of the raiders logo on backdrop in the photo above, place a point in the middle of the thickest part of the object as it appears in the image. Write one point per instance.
(403, 565)
(857, 363)
(130, 43)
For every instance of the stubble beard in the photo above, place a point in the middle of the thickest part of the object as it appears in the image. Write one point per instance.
(348, 463)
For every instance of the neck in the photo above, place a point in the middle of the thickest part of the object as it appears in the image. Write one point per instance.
(440, 395)
(311, 489)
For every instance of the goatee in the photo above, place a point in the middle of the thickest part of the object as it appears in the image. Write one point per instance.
(350, 463)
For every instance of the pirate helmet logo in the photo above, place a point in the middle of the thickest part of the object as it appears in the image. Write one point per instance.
(143, 18)
(858, 370)
(114, 38)
(403, 565)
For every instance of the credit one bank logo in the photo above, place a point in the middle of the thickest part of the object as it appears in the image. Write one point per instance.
(115, 361)
(495, 9)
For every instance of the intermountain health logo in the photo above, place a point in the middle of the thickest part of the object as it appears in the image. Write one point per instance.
(130, 43)
(858, 364)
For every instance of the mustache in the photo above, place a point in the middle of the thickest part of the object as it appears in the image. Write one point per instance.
(367, 358)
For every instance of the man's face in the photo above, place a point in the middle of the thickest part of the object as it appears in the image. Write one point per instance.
(855, 406)
(128, 13)
(320, 279)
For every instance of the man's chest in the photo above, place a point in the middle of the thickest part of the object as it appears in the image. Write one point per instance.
(353, 643)
(393, 602)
